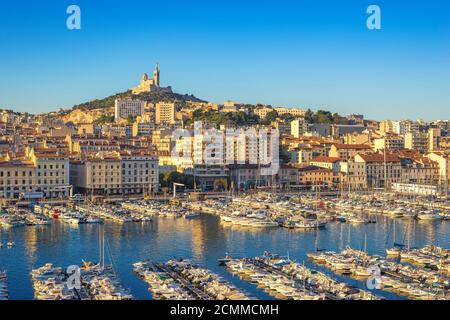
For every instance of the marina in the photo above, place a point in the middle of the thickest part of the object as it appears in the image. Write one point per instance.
(189, 234)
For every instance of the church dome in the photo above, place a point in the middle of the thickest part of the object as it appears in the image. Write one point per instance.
(144, 77)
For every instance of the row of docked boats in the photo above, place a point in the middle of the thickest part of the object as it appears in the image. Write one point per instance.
(256, 220)
(49, 283)
(183, 280)
(12, 218)
(161, 284)
(211, 284)
(102, 283)
(430, 257)
(4, 294)
(243, 212)
(96, 283)
(401, 279)
(113, 213)
(283, 278)
(154, 208)
(390, 208)
(29, 219)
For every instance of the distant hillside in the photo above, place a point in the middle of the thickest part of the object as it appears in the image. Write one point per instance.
(153, 97)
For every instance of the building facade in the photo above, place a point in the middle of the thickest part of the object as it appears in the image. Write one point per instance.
(128, 108)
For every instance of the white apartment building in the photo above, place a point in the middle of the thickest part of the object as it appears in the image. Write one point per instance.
(209, 148)
(128, 108)
(298, 128)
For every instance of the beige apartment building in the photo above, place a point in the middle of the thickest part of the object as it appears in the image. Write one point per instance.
(295, 112)
(262, 111)
(416, 141)
(97, 174)
(165, 113)
(348, 151)
(358, 138)
(434, 135)
(16, 178)
(162, 140)
(354, 175)
(139, 172)
(374, 166)
(40, 170)
(116, 173)
(443, 160)
(298, 127)
(390, 142)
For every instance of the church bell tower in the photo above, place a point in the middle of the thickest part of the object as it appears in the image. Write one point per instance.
(156, 75)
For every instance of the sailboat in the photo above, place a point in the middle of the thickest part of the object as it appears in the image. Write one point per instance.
(396, 250)
(317, 243)
(362, 270)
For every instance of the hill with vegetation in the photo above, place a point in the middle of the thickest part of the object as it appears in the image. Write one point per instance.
(151, 97)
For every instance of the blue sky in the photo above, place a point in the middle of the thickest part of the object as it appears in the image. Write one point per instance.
(310, 53)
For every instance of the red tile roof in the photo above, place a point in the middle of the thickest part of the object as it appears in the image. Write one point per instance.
(351, 146)
(325, 159)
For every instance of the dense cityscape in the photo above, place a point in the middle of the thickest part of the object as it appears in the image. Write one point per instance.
(209, 172)
(133, 146)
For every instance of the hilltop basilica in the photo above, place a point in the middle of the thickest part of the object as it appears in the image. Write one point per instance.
(150, 85)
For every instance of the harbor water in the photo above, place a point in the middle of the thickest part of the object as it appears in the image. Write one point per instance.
(204, 240)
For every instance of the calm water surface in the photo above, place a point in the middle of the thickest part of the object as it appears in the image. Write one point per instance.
(204, 240)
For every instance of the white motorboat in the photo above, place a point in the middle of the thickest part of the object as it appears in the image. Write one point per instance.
(263, 224)
(393, 252)
(357, 220)
(429, 217)
(191, 214)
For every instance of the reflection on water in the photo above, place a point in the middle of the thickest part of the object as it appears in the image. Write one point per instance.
(204, 239)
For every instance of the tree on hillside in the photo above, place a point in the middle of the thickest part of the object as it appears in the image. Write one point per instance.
(104, 119)
(270, 117)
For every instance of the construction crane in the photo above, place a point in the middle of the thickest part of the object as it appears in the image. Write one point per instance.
(175, 185)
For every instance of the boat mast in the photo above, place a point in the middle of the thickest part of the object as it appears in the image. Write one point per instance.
(385, 167)
(348, 239)
(365, 244)
(101, 241)
(395, 228)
